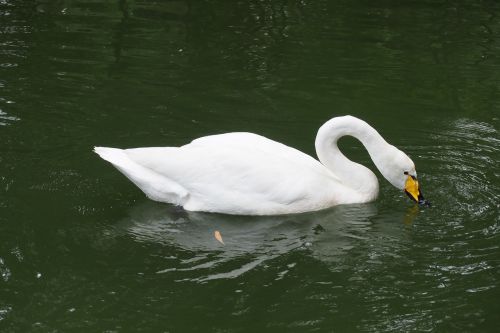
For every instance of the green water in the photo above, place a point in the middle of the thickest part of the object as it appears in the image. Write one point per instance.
(83, 250)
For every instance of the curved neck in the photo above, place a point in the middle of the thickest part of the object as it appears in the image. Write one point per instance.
(351, 174)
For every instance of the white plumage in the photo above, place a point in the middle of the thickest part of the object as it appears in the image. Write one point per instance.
(247, 174)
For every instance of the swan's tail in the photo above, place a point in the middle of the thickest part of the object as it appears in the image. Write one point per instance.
(115, 156)
(156, 187)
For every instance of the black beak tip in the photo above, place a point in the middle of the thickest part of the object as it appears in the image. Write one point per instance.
(424, 203)
(421, 201)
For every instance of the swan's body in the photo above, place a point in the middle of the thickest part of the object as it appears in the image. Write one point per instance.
(244, 173)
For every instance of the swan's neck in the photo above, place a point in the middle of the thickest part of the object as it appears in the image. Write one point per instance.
(351, 174)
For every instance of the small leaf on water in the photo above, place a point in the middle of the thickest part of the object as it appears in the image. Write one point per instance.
(218, 236)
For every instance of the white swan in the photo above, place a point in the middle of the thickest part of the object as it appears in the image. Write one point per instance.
(247, 174)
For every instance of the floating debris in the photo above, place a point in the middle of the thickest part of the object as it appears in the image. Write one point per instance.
(218, 236)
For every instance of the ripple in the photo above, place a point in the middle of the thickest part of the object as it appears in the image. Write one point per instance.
(5, 272)
(5, 184)
(465, 269)
(466, 154)
(5, 119)
(480, 289)
(8, 65)
(4, 311)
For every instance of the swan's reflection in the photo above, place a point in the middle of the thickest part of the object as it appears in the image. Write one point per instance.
(411, 214)
(248, 240)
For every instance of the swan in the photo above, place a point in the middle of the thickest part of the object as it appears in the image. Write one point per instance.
(247, 174)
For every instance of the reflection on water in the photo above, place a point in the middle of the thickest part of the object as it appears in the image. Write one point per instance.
(411, 214)
(249, 241)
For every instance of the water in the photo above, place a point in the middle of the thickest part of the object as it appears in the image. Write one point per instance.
(82, 249)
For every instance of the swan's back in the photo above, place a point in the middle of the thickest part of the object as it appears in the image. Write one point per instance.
(239, 173)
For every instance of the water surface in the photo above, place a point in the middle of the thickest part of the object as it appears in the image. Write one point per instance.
(82, 249)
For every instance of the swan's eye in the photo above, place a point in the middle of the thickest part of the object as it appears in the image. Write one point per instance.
(406, 172)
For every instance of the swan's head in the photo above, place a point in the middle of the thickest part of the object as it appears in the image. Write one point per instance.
(400, 171)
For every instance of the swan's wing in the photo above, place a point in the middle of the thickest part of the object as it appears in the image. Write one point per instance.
(155, 186)
(238, 169)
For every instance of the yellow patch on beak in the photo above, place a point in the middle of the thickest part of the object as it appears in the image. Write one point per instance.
(412, 188)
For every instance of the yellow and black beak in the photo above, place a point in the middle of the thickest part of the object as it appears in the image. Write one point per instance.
(412, 189)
